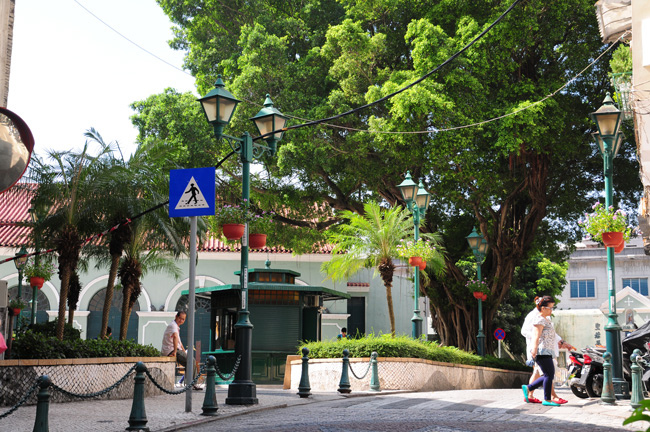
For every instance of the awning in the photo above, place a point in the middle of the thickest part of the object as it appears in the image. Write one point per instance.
(327, 293)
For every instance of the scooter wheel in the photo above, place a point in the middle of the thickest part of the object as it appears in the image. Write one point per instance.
(594, 385)
(579, 391)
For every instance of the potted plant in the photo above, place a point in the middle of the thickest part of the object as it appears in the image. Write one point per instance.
(259, 225)
(38, 273)
(417, 252)
(606, 225)
(230, 220)
(16, 305)
(479, 289)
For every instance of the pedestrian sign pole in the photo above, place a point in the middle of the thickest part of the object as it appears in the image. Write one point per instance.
(500, 335)
(191, 194)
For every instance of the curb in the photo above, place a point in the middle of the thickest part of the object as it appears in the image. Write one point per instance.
(305, 401)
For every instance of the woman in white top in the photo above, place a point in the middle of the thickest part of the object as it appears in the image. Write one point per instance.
(527, 330)
(543, 350)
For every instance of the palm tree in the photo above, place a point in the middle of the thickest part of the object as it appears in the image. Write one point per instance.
(130, 187)
(115, 207)
(65, 194)
(141, 258)
(370, 241)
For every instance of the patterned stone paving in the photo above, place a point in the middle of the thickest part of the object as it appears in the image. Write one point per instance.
(282, 410)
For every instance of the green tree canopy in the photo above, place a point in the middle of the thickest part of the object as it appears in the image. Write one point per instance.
(524, 179)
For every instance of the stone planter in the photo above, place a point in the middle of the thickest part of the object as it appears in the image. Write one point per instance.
(82, 376)
(407, 374)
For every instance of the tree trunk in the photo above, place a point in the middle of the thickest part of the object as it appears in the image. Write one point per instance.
(108, 300)
(386, 271)
(65, 282)
(126, 311)
(510, 230)
(70, 316)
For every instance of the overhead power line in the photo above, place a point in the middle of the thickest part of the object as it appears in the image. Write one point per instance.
(130, 41)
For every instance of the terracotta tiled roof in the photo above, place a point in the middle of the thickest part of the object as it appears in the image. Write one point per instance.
(14, 208)
(358, 284)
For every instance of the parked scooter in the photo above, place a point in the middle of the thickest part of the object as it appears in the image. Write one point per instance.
(575, 373)
(587, 377)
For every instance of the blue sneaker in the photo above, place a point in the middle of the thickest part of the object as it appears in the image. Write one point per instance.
(525, 389)
(550, 403)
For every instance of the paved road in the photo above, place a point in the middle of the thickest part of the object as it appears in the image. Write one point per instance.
(451, 411)
(282, 410)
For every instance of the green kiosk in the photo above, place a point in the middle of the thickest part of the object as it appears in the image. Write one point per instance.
(283, 313)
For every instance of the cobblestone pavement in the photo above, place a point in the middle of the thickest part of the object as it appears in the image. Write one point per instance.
(449, 411)
(282, 410)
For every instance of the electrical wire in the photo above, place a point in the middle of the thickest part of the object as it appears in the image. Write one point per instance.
(130, 41)
(403, 89)
(550, 95)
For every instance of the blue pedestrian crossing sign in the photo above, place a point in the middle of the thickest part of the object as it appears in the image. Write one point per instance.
(192, 192)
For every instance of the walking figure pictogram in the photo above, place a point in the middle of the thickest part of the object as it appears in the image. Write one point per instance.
(193, 190)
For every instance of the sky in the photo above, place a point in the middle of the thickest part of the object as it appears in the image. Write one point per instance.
(70, 72)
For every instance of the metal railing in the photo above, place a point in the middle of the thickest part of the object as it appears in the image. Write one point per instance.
(137, 419)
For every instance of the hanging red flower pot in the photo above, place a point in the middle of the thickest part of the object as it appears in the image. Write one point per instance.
(612, 239)
(423, 265)
(484, 297)
(478, 295)
(256, 241)
(36, 281)
(415, 261)
(233, 231)
(619, 248)
(15, 311)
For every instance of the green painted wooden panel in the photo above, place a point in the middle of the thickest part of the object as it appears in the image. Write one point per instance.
(276, 327)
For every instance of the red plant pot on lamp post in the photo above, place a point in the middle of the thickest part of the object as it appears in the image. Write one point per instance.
(415, 261)
(620, 247)
(36, 281)
(256, 241)
(612, 239)
(233, 231)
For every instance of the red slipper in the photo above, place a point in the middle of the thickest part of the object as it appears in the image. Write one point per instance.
(561, 401)
(534, 400)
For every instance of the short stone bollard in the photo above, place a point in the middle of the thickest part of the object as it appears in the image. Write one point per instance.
(304, 388)
(138, 418)
(374, 373)
(43, 405)
(344, 384)
(608, 396)
(637, 384)
(210, 407)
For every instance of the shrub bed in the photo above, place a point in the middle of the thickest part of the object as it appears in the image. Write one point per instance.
(405, 347)
(39, 342)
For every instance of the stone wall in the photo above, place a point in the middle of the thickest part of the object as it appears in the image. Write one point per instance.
(407, 374)
(82, 376)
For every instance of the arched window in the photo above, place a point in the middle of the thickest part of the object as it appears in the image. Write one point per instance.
(42, 302)
(199, 303)
(97, 301)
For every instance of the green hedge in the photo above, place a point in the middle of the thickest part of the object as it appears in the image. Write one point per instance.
(403, 346)
(33, 345)
(48, 328)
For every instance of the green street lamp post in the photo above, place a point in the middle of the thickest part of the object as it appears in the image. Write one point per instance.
(609, 139)
(219, 106)
(19, 262)
(35, 218)
(417, 200)
(479, 248)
